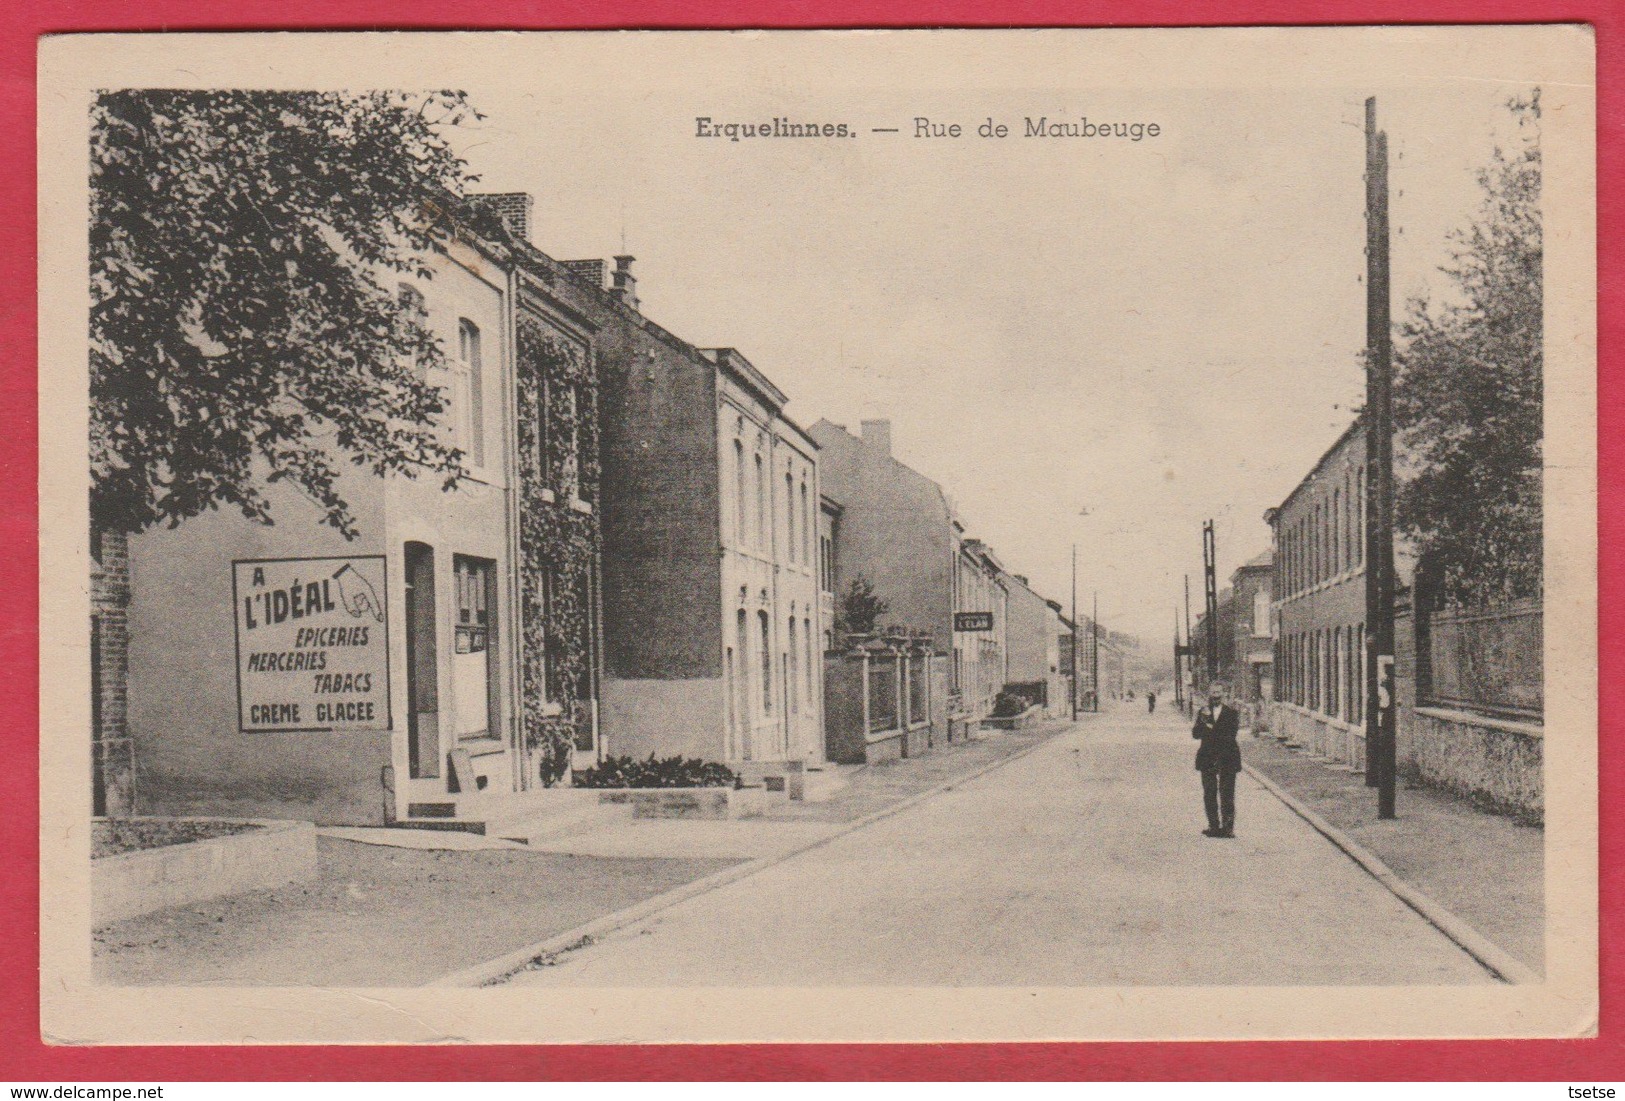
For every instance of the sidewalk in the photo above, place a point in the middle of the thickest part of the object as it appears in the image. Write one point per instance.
(424, 913)
(1486, 869)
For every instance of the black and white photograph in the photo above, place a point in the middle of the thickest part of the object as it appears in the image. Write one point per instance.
(843, 536)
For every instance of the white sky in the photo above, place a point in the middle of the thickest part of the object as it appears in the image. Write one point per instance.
(1156, 333)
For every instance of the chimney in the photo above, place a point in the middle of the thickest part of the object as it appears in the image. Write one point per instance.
(513, 207)
(590, 270)
(877, 434)
(624, 285)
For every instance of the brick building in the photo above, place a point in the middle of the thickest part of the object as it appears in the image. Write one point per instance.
(711, 506)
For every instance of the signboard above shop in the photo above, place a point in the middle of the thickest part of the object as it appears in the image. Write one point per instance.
(312, 643)
(973, 621)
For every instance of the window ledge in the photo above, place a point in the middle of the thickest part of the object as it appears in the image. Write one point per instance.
(482, 746)
(583, 507)
(548, 496)
(551, 710)
(1473, 718)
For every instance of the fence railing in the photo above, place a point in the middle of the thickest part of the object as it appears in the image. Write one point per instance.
(882, 693)
(1486, 659)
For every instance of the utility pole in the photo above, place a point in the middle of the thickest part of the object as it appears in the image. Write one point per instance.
(1190, 648)
(1179, 672)
(1073, 680)
(1210, 573)
(1094, 651)
(1380, 734)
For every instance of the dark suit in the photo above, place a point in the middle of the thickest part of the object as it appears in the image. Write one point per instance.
(1218, 759)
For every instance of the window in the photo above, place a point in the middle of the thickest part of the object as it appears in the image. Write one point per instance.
(411, 304)
(767, 655)
(741, 508)
(471, 385)
(1363, 490)
(1334, 673)
(764, 538)
(789, 516)
(826, 567)
(807, 646)
(1261, 614)
(1336, 531)
(794, 678)
(806, 525)
(570, 462)
(742, 693)
(1348, 520)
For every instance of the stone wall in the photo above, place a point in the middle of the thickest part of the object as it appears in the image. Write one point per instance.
(1496, 763)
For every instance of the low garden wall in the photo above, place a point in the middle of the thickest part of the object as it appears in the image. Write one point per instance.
(270, 854)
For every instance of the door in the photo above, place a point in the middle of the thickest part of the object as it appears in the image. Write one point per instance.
(474, 679)
(422, 668)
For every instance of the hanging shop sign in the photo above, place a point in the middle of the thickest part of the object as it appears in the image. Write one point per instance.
(312, 643)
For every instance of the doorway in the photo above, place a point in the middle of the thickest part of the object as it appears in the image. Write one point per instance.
(422, 666)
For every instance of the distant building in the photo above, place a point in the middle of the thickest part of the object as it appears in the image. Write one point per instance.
(829, 530)
(1032, 661)
(1252, 626)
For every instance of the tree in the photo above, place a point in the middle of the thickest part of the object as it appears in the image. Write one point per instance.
(860, 608)
(1467, 397)
(243, 323)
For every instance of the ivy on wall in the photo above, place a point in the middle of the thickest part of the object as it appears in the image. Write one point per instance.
(558, 545)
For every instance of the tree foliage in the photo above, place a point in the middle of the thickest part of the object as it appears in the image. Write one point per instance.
(860, 609)
(1467, 398)
(245, 322)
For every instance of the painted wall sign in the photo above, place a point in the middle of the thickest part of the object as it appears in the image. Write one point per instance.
(312, 643)
(973, 621)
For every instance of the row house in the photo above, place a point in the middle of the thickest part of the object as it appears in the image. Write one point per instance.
(980, 668)
(446, 653)
(712, 505)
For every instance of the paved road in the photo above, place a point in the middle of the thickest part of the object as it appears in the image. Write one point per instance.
(1080, 864)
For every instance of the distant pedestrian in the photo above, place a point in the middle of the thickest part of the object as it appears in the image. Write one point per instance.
(1151, 703)
(1218, 760)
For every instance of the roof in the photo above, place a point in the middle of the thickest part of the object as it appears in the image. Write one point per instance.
(1261, 561)
(1320, 463)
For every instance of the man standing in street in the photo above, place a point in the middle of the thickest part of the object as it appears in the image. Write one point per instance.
(1151, 703)
(1218, 759)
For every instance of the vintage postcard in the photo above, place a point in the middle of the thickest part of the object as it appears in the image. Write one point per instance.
(818, 536)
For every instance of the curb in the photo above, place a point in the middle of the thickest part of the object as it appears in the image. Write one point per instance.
(1494, 960)
(482, 974)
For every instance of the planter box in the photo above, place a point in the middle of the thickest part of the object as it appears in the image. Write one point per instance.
(1029, 717)
(778, 777)
(135, 883)
(700, 804)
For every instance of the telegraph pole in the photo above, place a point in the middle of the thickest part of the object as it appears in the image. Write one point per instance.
(1381, 739)
(1094, 651)
(1190, 648)
(1179, 658)
(1210, 572)
(1074, 677)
